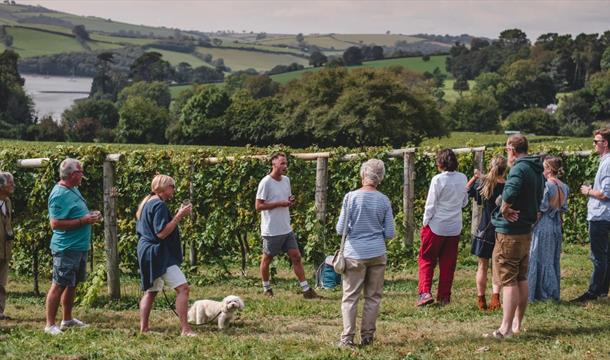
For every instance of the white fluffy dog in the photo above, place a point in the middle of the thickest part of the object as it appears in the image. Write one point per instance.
(203, 311)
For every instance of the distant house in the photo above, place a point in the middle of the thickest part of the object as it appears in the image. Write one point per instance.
(551, 108)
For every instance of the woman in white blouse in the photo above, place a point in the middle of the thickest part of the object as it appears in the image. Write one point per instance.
(441, 229)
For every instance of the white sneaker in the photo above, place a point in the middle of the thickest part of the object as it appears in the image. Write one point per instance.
(52, 330)
(72, 323)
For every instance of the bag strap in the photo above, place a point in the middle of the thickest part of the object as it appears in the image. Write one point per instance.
(345, 220)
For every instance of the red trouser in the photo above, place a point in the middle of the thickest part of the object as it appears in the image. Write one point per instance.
(444, 249)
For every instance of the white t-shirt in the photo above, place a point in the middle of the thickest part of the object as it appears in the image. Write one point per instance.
(276, 221)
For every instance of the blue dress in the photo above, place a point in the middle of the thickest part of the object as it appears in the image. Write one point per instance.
(156, 255)
(544, 274)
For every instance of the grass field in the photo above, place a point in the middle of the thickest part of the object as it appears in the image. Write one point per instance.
(342, 41)
(30, 43)
(265, 47)
(377, 39)
(121, 40)
(322, 41)
(175, 58)
(289, 327)
(415, 63)
(241, 60)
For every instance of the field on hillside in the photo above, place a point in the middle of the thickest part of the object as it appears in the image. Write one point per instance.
(289, 327)
(175, 58)
(377, 39)
(30, 43)
(241, 60)
(265, 47)
(342, 41)
(413, 63)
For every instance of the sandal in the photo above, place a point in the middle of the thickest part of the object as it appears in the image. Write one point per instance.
(497, 335)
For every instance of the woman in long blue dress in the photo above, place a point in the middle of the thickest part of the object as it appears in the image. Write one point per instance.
(159, 251)
(544, 272)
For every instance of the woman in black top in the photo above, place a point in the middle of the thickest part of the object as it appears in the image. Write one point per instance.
(486, 190)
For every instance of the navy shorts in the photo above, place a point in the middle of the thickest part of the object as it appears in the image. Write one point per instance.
(273, 245)
(69, 267)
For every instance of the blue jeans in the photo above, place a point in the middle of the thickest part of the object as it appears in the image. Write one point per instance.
(600, 279)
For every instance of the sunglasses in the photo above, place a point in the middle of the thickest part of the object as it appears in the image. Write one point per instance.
(598, 141)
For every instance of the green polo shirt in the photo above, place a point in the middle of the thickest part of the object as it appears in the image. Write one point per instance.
(68, 203)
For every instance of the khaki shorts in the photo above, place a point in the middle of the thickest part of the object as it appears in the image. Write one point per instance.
(510, 258)
(173, 278)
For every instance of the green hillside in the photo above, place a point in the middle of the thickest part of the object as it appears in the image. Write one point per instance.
(413, 63)
(30, 43)
(176, 58)
(242, 59)
(341, 41)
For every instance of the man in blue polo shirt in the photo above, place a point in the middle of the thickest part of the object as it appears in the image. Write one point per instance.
(598, 215)
(71, 223)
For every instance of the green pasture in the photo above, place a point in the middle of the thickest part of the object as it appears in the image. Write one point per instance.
(377, 39)
(175, 58)
(242, 59)
(121, 40)
(321, 41)
(93, 23)
(29, 43)
(290, 327)
(413, 63)
(341, 41)
(264, 47)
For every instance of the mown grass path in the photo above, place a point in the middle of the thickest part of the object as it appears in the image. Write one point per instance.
(289, 327)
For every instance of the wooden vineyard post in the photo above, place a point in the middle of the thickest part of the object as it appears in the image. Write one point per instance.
(479, 157)
(321, 188)
(408, 196)
(110, 227)
(192, 245)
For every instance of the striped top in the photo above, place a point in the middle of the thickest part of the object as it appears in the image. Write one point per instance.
(370, 223)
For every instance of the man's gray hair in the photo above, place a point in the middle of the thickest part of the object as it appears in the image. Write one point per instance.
(67, 167)
(5, 178)
(372, 172)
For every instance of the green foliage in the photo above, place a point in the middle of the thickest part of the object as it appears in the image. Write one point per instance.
(89, 292)
(142, 121)
(156, 91)
(151, 67)
(225, 220)
(15, 104)
(574, 116)
(202, 117)
(90, 119)
(252, 121)
(352, 56)
(363, 107)
(532, 121)
(474, 113)
(605, 61)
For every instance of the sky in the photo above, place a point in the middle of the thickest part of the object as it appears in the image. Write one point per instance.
(474, 17)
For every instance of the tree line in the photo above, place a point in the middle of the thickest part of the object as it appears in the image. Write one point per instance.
(516, 81)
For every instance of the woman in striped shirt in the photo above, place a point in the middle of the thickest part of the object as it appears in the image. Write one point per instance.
(370, 223)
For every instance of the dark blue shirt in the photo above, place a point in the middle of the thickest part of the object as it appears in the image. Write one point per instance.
(155, 255)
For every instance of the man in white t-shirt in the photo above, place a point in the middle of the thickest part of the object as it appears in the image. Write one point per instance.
(273, 200)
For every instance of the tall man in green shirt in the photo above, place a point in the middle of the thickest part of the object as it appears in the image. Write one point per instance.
(513, 221)
(71, 223)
